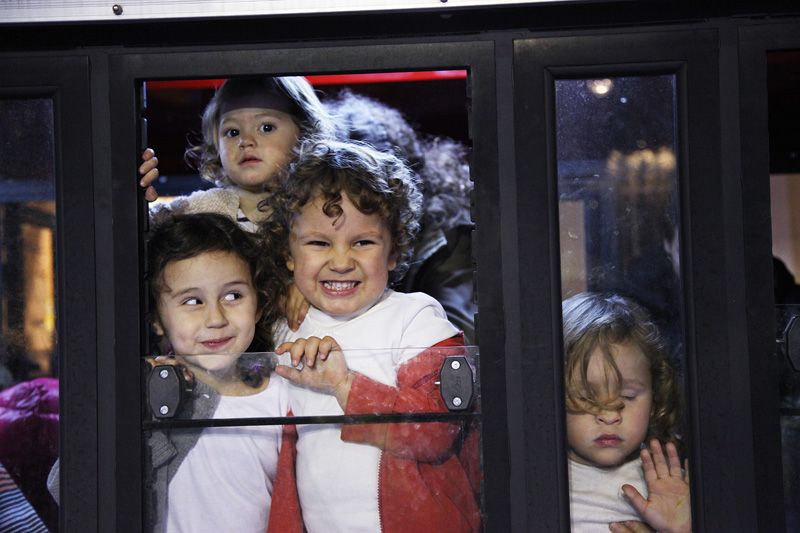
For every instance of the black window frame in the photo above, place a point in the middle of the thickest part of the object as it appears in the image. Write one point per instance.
(65, 80)
(755, 40)
(128, 69)
(719, 387)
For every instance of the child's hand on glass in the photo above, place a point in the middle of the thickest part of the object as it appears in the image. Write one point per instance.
(323, 367)
(668, 506)
(149, 172)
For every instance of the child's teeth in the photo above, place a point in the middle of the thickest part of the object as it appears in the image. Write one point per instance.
(340, 285)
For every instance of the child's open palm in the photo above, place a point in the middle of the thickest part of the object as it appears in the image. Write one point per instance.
(668, 506)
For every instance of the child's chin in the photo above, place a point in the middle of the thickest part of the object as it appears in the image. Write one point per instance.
(213, 363)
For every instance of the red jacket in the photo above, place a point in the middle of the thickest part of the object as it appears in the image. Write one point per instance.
(422, 483)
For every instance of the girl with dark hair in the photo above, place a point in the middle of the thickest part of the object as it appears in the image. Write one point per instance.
(211, 302)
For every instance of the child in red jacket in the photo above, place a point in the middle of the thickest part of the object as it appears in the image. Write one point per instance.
(346, 222)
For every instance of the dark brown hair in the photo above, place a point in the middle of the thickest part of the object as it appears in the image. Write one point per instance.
(182, 237)
(375, 182)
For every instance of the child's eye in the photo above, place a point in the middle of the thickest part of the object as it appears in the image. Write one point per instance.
(230, 132)
(232, 296)
(364, 242)
(628, 395)
(317, 243)
(266, 128)
(192, 301)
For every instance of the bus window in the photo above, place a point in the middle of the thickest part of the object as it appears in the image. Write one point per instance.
(616, 142)
(404, 446)
(28, 360)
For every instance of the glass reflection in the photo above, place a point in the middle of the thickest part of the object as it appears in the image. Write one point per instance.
(214, 460)
(28, 359)
(620, 271)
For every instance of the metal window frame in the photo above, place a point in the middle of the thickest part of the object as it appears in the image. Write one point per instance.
(720, 388)
(754, 41)
(66, 81)
(127, 69)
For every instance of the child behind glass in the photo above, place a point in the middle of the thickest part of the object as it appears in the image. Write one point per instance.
(209, 296)
(620, 394)
(345, 223)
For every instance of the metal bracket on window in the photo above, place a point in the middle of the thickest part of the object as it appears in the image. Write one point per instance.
(166, 389)
(456, 383)
(790, 342)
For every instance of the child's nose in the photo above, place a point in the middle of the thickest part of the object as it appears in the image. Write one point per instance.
(215, 316)
(340, 261)
(245, 140)
(610, 416)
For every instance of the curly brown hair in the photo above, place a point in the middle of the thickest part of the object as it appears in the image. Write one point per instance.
(442, 163)
(375, 182)
(592, 321)
(180, 237)
(311, 117)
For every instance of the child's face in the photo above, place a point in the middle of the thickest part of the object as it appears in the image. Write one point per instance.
(208, 306)
(341, 268)
(255, 144)
(609, 438)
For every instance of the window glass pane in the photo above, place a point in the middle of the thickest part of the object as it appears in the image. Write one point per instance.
(377, 465)
(620, 253)
(28, 357)
(412, 450)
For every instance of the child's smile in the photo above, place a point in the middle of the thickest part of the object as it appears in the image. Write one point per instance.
(209, 306)
(341, 265)
(609, 437)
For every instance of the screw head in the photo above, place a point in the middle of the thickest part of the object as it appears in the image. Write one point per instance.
(164, 374)
(455, 365)
(117, 9)
(163, 409)
(457, 401)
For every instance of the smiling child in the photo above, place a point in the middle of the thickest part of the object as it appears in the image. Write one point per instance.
(211, 302)
(345, 222)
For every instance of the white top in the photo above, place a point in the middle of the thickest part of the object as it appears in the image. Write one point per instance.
(596, 498)
(337, 481)
(225, 481)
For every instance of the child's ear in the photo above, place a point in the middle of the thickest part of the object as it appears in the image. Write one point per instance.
(392, 260)
(158, 328)
(290, 264)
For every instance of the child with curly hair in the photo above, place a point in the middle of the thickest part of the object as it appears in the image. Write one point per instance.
(441, 264)
(345, 223)
(212, 301)
(621, 394)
